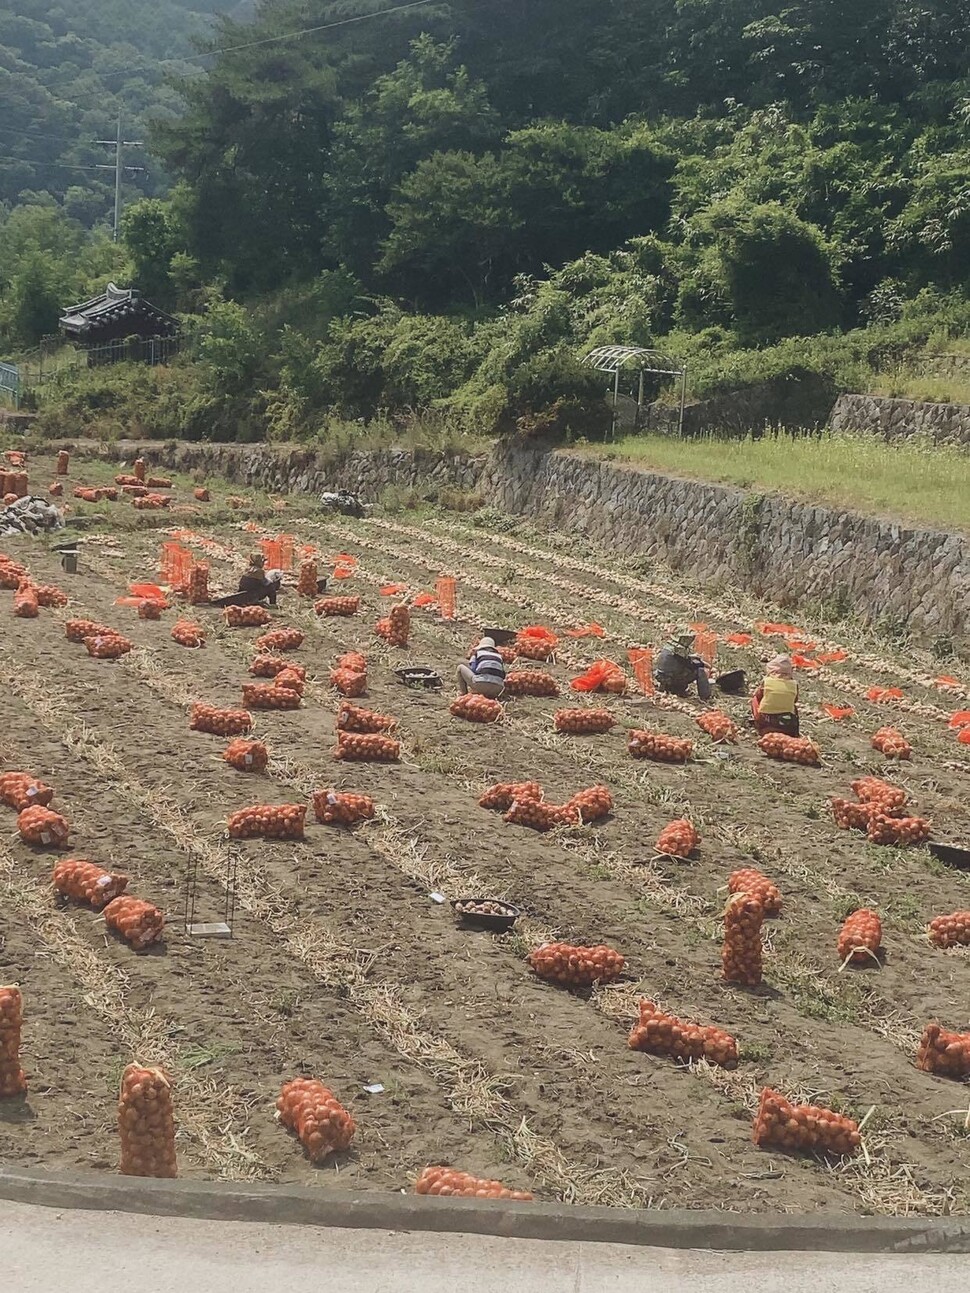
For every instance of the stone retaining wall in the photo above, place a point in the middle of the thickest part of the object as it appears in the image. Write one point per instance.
(898, 419)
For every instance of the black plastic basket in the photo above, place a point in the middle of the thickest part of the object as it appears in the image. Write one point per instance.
(500, 923)
(732, 683)
(952, 854)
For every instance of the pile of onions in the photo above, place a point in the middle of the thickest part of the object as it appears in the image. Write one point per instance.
(791, 749)
(891, 742)
(188, 634)
(266, 695)
(12, 574)
(39, 825)
(530, 682)
(268, 822)
(83, 881)
(25, 603)
(201, 494)
(779, 1124)
(367, 747)
(342, 808)
(285, 639)
(78, 630)
(542, 816)
(306, 585)
(873, 790)
(138, 922)
(12, 1079)
(337, 606)
(504, 794)
(220, 722)
(108, 646)
(660, 1034)
(349, 682)
(50, 596)
(445, 1182)
(149, 609)
(198, 589)
(146, 1123)
(659, 747)
(19, 790)
(756, 884)
(320, 1121)
(678, 839)
(396, 627)
(583, 722)
(860, 938)
(884, 829)
(718, 726)
(532, 648)
(247, 617)
(353, 718)
(246, 756)
(576, 967)
(476, 709)
(741, 952)
(950, 931)
(944, 1053)
(593, 804)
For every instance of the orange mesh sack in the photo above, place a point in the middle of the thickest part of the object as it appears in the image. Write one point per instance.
(246, 756)
(353, 718)
(883, 829)
(158, 482)
(138, 922)
(779, 1124)
(342, 808)
(719, 727)
(367, 747)
(322, 1125)
(659, 747)
(19, 790)
(50, 596)
(890, 742)
(395, 628)
(188, 634)
(201, 494)
(25, 603)
(146, 1123)
(109, 646)
(861, 938)
(541, 816)
(349, 682)
(583, 722)
(63, 463)
(756, 884)
(477, 709)
(83, 881)
(741, 953)
(198, 587)
(872, 790)
(266, 695)
(504, 794)
(944, 1053)
(268, 822)
(337, 606)
(352, 660)
(306, 585)
(849, 816)
(139, 470)
(220, 722)
(445, 1182)
(530, 682)
(79, 630)
(40, 826)
(534, 649)
(12, 1079)
(291, 680)
(12, 575)
(286, 639)
(791, 749)
(660, 1034)
(678, 839)
(267, 666)
(576, 967)
(247, 617)
(593, 805)
(950, 931)
(149, 610)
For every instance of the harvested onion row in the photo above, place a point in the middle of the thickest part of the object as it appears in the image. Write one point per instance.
(146, 1123)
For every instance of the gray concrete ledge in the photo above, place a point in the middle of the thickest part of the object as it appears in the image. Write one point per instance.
(307, 1206)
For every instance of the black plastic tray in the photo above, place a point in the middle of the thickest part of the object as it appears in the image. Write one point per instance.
(732, 683)
(951, 854)
(501, 637)
(419, 676)
(501, 924)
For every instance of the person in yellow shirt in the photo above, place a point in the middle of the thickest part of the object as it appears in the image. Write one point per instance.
(774, 706)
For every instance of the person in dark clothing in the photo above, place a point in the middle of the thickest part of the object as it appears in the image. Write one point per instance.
(677, 668)
(256, 585)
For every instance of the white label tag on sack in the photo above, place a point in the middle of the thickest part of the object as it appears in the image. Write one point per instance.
(45, 837)
(32, 792)
(331, 797)
(248, 760)
(102, 882)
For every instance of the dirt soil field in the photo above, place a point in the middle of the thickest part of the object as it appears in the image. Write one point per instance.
(344, 967)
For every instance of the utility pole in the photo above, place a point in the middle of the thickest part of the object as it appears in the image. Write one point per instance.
(117, 144)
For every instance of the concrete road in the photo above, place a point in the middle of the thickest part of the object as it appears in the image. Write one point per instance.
(48, 1251)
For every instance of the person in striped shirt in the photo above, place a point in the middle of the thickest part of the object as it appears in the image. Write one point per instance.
(484, 672)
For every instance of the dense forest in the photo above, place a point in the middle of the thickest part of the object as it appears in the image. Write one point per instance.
(442, 205)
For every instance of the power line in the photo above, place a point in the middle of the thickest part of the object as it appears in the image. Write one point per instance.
(36, 134)
(66, 166)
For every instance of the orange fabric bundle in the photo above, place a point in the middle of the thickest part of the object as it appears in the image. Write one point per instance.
(352, 660)
(306, 585)
(247, 617)
(246, 756)
(285, 639)
(352, 718)
(63, 462)
(342, 808)
(349, 682)
(602, 675)
(367, 747)
(220, 722)
(337, 606)
(959, 719)
(38, 825)
(149, 610)
(779, 1124)
(504, 794)
(12, 1079)
(322, 1125)
(591, 630)
(146, 1123)
(593, 805)
(944, 1053)
(678, 839)
(19, 790)
(883, 829)
(755, 883)
(530, 682)
(541, 816)
(108, 646)
(188, 634)
(583, 722)
(138, 922)
(791, 749)
(660, 1034)
(891, 742)
(658, 747)
(83, 881)
(266, 695)
(741, 952)
(850, 816)
(477, 709)
(445, 1182)
(838, 712)
(718, 726)
(268, 822)
(49, 596)
(78, 630)
(860, 937)
(881, 694)
(576, 967)
(291, 679)
(201, 494)
(395, 628)
(25, 603)
(872, 790)
(950, 931)
(198, 588)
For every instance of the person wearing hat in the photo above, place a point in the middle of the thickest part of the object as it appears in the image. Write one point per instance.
(774, 706)
(256, 585)
(484, 672)
(677, 668)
